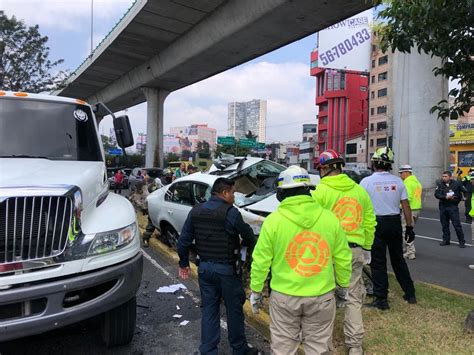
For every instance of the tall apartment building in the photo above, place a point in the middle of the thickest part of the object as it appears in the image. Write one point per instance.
(341, 96)
(381, 99)
(247, 116)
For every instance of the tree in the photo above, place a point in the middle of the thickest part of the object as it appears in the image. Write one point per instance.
(106, 142)
(24, 63)
(250, 135)
(203, 147)
(186, 154)
(439, 28)
(236, 150)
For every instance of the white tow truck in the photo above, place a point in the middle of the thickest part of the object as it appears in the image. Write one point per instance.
(69, 249)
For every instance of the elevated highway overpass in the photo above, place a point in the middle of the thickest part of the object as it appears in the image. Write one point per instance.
(163, 45)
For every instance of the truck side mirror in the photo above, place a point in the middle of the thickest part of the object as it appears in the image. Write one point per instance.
(123, 131)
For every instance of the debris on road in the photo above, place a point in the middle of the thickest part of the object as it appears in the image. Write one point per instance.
(171, 288)
(184, 323)
(177, 316)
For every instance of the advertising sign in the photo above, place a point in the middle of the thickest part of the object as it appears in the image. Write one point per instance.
(115, 151)
(462, 133)
(347, 44)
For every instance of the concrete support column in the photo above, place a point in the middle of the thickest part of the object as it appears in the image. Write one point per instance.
(155, 99)
(419, 138)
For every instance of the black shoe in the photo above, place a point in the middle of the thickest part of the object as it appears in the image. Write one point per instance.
(444, 242)
(462, 245)
(379, 303)
(410, 299)
(252, 351)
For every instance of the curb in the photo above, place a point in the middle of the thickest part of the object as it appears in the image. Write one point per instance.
(260, 321)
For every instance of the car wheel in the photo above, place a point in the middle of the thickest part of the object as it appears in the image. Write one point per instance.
(118, 324)
(171, 236)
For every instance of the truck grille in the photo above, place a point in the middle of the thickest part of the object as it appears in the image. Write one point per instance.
(34, 227)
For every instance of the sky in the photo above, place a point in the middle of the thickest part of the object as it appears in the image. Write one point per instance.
(281, 77)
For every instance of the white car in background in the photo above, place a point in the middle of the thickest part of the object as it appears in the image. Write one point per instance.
(255, 197)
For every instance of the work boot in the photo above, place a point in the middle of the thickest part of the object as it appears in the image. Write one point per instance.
(410, 299)
(356, 351)
(444, 242)
(379, 303)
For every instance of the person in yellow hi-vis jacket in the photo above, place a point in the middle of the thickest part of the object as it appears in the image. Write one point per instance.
(414, 192)
(352, 206)
(306, 250)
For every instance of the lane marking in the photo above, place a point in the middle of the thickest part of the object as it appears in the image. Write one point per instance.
(155, 264)
(437, 220)
(438, 240)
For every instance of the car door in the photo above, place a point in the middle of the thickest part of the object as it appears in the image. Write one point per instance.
(177, 203)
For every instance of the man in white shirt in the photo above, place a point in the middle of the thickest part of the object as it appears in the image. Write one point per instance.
(387, 192)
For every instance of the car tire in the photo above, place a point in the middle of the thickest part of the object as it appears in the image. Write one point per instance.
(171, 236)
(118, 324)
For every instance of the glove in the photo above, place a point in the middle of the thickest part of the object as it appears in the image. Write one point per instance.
(367, 256)
(409, 234)
(256, 302)
(341, 296)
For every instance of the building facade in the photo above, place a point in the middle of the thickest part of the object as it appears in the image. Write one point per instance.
(310, 132)
(381, 99)
(342, 99)
(190, 136)
(247, 116)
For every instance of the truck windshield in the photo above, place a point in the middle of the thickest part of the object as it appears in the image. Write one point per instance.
(51, 130)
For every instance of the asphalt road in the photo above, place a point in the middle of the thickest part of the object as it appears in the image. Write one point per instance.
(446, 266)
(157, 332)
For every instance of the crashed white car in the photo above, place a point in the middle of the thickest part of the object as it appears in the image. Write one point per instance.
(255, 197)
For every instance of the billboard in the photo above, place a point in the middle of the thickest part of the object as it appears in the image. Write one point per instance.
(347, 44)
(461, 133)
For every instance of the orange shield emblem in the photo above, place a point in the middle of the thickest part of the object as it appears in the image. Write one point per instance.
(307, 254)
(349, 212)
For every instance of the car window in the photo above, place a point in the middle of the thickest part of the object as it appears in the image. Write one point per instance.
(180, 193)
(201, 192)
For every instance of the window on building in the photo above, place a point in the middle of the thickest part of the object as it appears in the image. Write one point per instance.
(324, 107)
(383, 76)
(324, 120)
(336, 81)
(381, 125)
(343, 80)
(351, 159)
(373, 64)
(329, 82)
(314, 64)
(363, 88)
(381, 109)
(382, 92)
(383, 60)
(373, 79)
(323, 147)
(372, 111)
(371, 142)
(381, 142)
(372, 95)
(371, 127)
(351, 148)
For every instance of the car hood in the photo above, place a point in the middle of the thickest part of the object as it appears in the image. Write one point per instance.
(270, 203)
(89, 176)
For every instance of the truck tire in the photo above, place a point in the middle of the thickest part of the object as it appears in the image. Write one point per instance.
(118, 324)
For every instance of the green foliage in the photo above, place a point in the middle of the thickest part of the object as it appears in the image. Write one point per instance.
(441, 28)
(250, 135)
(236, 150)
(24, 63)
(203, 147)
(107, 143)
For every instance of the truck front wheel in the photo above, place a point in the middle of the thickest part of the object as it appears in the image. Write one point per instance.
(118, 324)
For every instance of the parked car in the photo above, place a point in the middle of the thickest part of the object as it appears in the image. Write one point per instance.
(255, 197)
(134, 181)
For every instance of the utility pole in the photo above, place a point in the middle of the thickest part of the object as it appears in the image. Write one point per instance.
(92, 25)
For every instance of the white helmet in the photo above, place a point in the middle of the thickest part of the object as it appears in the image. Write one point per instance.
(293, 177)
(405, 168)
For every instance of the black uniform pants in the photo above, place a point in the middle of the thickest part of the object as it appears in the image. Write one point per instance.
(467, 205)
(388, 234)
(447, 213)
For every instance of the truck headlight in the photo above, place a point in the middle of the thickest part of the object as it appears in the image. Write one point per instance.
(112, 240)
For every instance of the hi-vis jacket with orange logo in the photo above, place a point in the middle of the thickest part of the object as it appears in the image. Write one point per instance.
(305, 247)
(414, 191)
(352, 206)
